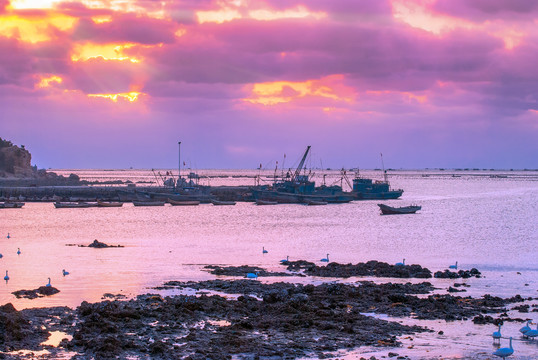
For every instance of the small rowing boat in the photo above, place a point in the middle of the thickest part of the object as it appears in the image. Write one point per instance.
(72, 205)
(148, 203)
(389, 210)
(219, 202)
(183, 202)
(109, 204)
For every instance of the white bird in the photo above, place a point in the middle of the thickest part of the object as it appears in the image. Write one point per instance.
(252, 275)
(1, 256)
(532, 333)
(18, 251)
(401, 264)
(455, 266)
(264, 251)
(8, 236)
(504, 352)
(525, 328)
(287, 259)
(65, 272)
(6, 277)
(325, 259)
(48, 285)
(497, 334)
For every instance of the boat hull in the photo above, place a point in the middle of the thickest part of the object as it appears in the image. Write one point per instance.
(389, 210)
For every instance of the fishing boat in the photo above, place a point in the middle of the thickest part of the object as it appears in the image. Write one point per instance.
(11, 205)
(220, 202)
(265, 202)
(182, 202)
(148, 203)
(314, 202)
(109, 204)
(72, 205)
(389, 210)
(297, 188)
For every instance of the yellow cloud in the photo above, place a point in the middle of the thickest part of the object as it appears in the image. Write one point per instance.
(217, 16)
(130, 96)
(36, 28)
(87, 51)
(273, 93)
(298, 12)
(46, 81)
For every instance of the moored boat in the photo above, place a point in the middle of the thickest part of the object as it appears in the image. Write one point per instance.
(265, 202)
(72, 205)
(11, 205)
(315, 202)
(183, 203)
(148, 203)
(389, 210)
(220, 202)
(109, 204)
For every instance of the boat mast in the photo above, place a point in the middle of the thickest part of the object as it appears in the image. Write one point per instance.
(179, 163)
(384, 172)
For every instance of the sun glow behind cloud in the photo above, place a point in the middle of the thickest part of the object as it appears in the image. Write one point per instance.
(36, 28)
(47, 81)
(272, 93)
(129, 96)
(87, 51)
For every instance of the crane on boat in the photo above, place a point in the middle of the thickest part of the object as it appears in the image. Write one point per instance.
(300, 166)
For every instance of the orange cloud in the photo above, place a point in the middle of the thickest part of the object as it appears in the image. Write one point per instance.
(272, 93)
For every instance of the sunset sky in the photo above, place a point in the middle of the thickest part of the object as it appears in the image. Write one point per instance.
(117, 83)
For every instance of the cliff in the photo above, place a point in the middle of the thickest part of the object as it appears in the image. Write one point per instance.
(16, 169)
(15, 161)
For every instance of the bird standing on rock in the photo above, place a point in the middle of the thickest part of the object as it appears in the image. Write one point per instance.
(525, 328)
(48, 285)
(400, 264)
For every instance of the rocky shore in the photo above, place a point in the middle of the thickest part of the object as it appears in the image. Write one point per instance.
(246, 319)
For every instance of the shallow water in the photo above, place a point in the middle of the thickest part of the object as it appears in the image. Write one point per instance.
(480, 221)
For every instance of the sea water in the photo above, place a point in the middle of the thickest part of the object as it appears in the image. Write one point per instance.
(482, 219)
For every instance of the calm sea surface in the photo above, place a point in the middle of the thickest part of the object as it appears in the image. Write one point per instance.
(482, 219)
